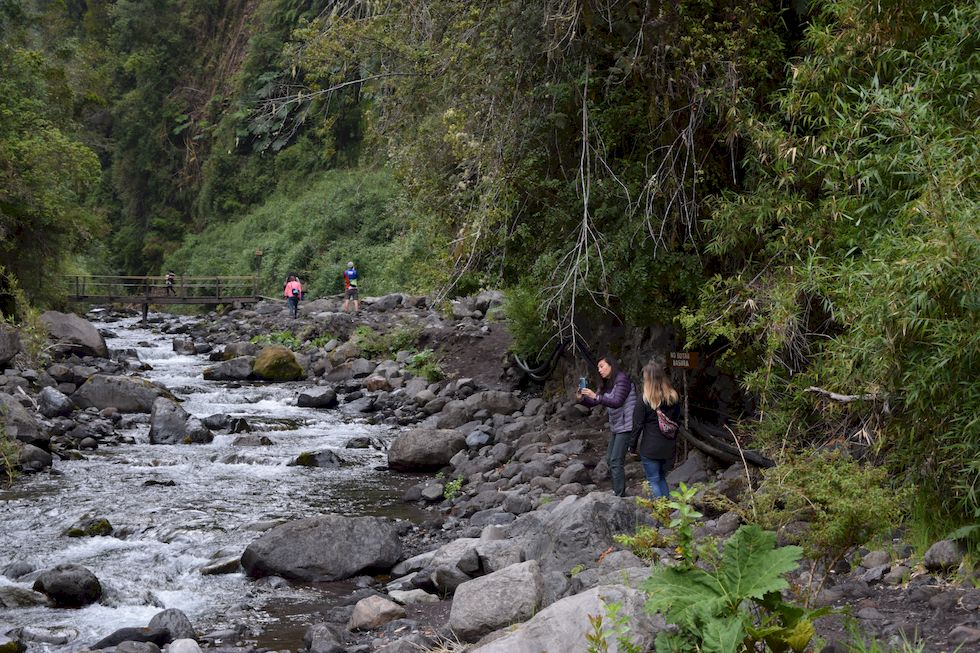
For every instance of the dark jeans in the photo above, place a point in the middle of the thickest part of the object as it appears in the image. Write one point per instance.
(656, 472)
(616, 459)
(293, 304)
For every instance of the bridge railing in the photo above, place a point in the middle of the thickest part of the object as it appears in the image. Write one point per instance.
(115, 287)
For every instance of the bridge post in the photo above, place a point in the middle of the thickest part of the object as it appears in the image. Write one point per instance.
(146, 310)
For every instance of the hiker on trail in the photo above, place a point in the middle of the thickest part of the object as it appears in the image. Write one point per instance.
(170, 283)
(653, 433)
(619, 397)
(293, 291)
(350, 287)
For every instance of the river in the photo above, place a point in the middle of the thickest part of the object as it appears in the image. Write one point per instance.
(222, 496)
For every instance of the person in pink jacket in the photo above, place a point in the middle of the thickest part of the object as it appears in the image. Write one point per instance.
(292, 292)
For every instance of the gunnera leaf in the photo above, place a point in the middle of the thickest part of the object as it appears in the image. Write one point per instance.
(751, 566)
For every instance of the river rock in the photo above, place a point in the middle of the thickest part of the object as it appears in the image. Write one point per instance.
(425, 449)
(171, 424)
(184, 646)
(157, 636)
(324, 638)
(69, 586)
(175, 622)
(496, 600)
(184, 346)
(565, 625)
(326, 459)
(324, 548)
(12, 596)
(317, 398)
(277, 364)
(54, 403)
(74, 334)
(11, 645)
(126, 394)
(9, 344)
(236, 369)
(374, 612)
(20, 424)
(33, 459)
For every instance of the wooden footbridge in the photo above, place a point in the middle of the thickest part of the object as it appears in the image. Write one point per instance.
(103, 289)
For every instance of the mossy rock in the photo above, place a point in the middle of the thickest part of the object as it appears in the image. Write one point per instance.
(306, 459)
(277, 364)
(91, 528)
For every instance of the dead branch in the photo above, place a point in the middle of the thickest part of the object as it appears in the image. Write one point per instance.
(844, 399)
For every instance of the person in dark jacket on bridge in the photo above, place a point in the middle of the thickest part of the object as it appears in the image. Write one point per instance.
(618, 396)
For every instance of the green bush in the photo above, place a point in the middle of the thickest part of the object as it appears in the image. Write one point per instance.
(844, 503)
(374, 344)
(424, 365)
(525, 321)
(284, 338)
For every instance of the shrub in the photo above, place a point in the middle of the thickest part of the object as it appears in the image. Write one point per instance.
(844, 503)
(451, 488)
(424, 365)
(284, 338)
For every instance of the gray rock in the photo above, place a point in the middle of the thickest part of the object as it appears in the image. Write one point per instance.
(446, 579)
(236, 369)
(9, 344)
(74, 334)
(329, 547)
(53, 403)
(494, 401)
(33, 459)
(325, 459)
(126, 394)
(500, 599)
(424, 449)
(12, 597)
(875, 559)
(944, 555)
(963, 635)
(324, 638)
(171, 424)
(691, 471)
(317, 398)
(565, 625)
(875, 574)
(408, 597)
(183, 646)
(19, 423)
(69, 586)
(175, 622)
(374, 612)
(184, 346)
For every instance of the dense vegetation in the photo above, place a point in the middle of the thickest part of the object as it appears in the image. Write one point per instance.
(792, 187)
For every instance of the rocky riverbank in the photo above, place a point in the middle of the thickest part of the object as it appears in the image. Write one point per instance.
(521, 524)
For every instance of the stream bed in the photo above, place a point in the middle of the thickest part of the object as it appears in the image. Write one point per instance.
(203, 503)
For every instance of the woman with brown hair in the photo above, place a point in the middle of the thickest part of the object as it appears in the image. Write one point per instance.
(655, 448)
(618, 396)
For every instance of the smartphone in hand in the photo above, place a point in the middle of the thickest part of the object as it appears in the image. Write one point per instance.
(582, 383)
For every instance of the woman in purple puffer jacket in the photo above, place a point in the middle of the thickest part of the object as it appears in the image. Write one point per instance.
(619, 397)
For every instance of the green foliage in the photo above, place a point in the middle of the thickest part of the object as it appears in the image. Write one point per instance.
(425, 365)
(852, 254)
(9, 453)
(525, 320)
(47, 174)
(646, 538)
(618, 630)
(844, 503)
(375, 344)
(683, 519)
(452, 488)
(313, 233)
(735, 606)
(284, 338)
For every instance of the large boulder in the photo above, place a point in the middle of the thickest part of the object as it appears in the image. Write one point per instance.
(124, 393)
(9, 344)
(277, 364)
(74, 334)
(325, 548)
(576, 530)
(565, 625)
(171, 424)
(374, 612)
(19, 423)
(505, 597)
(425, 449)
(495, 401)
(69, 586)
(175, 622)
(236, 369)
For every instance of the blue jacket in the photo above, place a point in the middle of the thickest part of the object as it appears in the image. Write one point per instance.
(620, 401)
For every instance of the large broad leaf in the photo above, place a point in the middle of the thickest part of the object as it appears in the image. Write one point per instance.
(751, 566)
(683, 595)
(722, 635)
